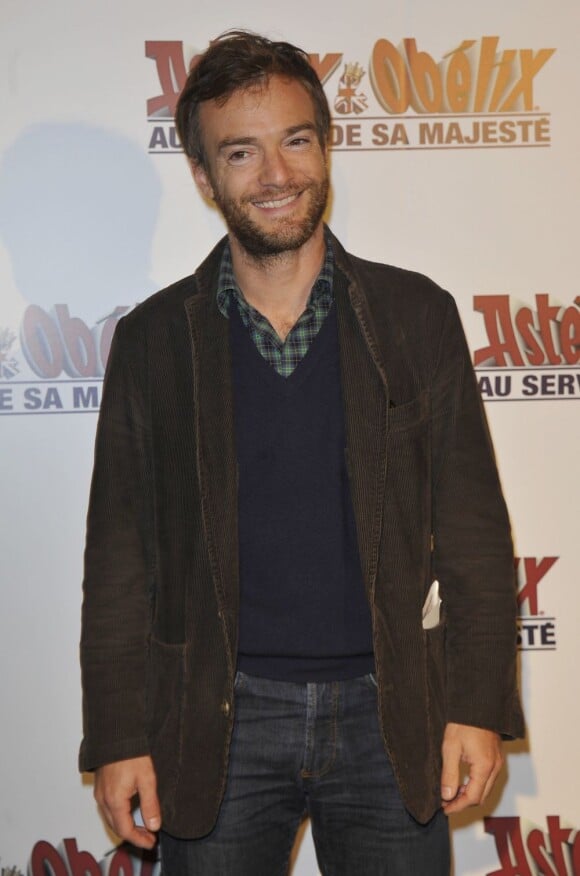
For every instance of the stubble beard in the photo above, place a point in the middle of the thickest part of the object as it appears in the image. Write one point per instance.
(288, 235)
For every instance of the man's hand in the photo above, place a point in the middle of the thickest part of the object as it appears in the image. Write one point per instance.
(481, 751)
(115, 785)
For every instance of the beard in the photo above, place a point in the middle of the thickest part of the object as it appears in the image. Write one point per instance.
(288, 234)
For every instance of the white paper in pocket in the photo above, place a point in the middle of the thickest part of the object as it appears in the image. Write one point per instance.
(432, 607)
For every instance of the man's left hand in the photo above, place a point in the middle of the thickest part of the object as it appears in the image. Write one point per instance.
(481, 751)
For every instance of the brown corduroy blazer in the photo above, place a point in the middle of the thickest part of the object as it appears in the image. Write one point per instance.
(160, 610)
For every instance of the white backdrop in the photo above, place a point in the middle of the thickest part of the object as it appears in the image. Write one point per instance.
(470, 175)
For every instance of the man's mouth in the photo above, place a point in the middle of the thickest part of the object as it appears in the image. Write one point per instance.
(276, 203)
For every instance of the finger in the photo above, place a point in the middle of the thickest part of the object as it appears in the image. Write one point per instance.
(471, 793)
(493, 776)
(149, 803)
(450, 771)
(112, 817)
(124, 826)
(115, 804)
(103, 807)
(460, 802)
(107, 814)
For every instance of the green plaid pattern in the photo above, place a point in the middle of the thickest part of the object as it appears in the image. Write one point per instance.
(285, 355)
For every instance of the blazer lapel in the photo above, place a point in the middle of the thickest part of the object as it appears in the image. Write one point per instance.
(216, 452)
(365, 394)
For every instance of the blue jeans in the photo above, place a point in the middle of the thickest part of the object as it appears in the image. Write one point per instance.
(310, 750)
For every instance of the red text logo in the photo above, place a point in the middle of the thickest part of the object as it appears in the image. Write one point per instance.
(534, 852)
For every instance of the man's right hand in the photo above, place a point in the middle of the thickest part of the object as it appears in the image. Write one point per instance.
(115, 785)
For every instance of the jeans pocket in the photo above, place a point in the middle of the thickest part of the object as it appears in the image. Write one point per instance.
(371, 680)
(239, 681)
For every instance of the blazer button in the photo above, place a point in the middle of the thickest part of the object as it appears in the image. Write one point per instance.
(225, 708)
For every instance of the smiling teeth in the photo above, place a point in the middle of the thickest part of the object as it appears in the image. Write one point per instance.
(281, 203)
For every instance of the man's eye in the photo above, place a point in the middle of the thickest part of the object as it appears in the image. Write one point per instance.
(238, 155)
(299, 141)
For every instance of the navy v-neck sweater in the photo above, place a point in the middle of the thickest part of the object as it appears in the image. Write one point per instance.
(304, 615)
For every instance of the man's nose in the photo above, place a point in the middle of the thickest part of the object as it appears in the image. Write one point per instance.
(275, 170)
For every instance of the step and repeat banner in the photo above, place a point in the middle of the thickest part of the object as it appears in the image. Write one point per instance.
(455, 143)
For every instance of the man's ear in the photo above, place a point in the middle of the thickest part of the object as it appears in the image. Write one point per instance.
(202, 180)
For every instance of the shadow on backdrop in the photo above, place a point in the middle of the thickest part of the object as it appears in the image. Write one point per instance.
(78, 210)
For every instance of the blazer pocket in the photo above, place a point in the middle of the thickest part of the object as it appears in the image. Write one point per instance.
(409, 415)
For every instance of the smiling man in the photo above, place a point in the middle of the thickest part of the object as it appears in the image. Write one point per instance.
(292, 470)
(271, 186)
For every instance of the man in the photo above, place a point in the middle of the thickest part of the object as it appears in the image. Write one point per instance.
(291, 449)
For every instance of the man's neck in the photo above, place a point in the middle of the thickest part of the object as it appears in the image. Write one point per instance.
(279, 286)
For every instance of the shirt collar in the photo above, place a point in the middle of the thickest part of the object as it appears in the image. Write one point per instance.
(227, 287)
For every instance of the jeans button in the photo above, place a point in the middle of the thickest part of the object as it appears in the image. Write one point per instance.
(225, 707)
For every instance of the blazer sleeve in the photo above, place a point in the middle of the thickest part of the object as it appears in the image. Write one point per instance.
(473, 554)
(117, 587)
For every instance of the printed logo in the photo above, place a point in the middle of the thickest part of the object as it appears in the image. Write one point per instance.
(348, 101)
(59, 365)
(69, 860)
(8, 364)
(526, 850)
(532, 353)
(536, 631)
(478, 95)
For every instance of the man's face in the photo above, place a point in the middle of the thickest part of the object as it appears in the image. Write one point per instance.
(265, 168)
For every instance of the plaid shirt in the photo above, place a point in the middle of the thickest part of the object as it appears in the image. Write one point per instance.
(285, 355)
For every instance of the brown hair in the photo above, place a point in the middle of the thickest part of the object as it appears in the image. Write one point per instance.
(236, 60)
